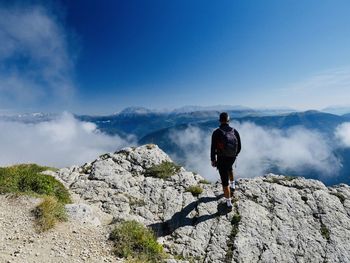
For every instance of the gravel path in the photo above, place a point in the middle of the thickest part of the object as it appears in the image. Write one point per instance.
(70, 241)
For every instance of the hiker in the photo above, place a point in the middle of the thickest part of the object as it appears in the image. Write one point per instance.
(225, 146)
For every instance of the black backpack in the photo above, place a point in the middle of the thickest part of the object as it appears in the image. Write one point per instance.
(230, 143)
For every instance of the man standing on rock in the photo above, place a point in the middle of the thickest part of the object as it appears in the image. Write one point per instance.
(225, 146)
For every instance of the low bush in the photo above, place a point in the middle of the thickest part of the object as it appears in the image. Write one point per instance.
(28, 179)
(49, 212)
(204, 181)
(137, 243)
(163, 170)
(195, 190)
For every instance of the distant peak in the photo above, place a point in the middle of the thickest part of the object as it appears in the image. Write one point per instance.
(135, 110)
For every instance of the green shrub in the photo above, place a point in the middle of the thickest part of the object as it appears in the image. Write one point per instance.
(234, 231)
(27, 178)
(49, 212)
(280, 179)
(163, 170)
(135, 242)
(204, 181)
(195, 190)
(289, 177)
(135, 202)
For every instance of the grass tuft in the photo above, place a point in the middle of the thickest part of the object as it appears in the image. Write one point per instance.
(136, 243)
(235, 222)
(204, 181)
(49, 212)
(195, 190)
(27, 179)
(234, 231)
(163, 170)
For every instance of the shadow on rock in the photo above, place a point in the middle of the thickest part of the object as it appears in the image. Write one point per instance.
(180, 219)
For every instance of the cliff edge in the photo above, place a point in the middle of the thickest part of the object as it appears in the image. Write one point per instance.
(274, 219)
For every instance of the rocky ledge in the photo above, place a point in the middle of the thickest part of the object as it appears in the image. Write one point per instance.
(274, 219)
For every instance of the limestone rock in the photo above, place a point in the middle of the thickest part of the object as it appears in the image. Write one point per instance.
(274, 219)
(82, 213)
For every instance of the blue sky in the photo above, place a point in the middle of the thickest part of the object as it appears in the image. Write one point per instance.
(98, 57)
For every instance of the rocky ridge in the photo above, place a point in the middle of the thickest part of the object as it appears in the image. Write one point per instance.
(275, 218)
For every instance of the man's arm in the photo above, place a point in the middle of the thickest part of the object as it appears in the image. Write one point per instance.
(213, 149)
(238, 142)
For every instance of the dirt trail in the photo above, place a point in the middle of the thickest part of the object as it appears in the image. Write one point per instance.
(70, 241)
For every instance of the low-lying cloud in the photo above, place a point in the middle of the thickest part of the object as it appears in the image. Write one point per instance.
(61, 142)
(34, 56)
(296, 149)
(342, 133)
(195, 145)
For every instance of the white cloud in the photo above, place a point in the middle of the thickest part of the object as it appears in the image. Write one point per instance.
(62, 142)
(295, 149)
(319, 90)
(34, 59)
(195, 144)
(342, 133)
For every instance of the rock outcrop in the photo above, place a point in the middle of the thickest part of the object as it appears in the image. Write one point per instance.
(275, 218)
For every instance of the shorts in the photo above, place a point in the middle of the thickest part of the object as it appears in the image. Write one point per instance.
(224, 165)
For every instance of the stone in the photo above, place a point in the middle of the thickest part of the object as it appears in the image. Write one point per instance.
(82, 213)
(275, 218)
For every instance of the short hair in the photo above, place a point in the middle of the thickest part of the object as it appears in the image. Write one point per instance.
(224, 117)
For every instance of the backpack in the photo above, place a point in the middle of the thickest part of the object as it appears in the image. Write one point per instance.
(230, 143)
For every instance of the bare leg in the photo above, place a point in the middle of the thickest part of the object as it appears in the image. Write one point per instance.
(231, 175)
(226, 192)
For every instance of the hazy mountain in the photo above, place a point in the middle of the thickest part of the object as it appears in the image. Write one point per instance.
(29, 117)
(192, 108)
(323, 122)
(347, 116)
(339, 110)
(141, 121)
(130, 111)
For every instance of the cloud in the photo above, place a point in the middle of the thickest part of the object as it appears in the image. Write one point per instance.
(61, 142)
(319, 90)
(194, 144)
(34, 59)
(295, 149)
(342, 133)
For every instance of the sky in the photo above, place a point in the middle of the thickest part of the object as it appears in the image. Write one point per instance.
(98, 57)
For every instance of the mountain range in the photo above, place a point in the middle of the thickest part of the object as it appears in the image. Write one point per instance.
(154, 126)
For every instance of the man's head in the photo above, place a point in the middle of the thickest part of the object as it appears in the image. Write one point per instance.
(224, 118)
